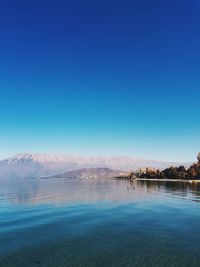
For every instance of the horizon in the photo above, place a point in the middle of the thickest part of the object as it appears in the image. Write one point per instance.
(91, 155)
(100, 78)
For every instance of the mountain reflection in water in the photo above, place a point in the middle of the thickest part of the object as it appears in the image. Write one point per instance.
(39, 191)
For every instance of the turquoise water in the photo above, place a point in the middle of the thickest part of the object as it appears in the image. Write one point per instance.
(99, 223)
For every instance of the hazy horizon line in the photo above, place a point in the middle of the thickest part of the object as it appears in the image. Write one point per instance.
(91, 155)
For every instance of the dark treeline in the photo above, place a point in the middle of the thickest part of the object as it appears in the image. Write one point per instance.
(182, 173)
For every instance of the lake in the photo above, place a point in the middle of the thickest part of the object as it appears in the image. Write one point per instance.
(71, 222)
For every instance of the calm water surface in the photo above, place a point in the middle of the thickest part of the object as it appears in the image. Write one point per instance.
(99, 223)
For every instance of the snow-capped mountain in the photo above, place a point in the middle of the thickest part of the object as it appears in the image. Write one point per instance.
(36, 165)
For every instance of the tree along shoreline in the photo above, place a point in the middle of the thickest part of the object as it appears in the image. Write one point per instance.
(173, 173)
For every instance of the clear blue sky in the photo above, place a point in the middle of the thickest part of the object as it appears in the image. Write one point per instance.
(100, 77)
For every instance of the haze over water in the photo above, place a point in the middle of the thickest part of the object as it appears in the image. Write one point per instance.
(71, 222)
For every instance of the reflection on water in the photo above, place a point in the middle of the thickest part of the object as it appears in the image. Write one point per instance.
(99, 223)
(52, 191)
(189, 190)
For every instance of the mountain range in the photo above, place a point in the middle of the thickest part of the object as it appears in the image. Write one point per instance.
(40, 165)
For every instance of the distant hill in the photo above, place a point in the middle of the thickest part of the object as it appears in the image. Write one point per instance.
(37, 165)
(86, 173)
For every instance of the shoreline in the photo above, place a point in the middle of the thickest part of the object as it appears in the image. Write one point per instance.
(167, 180)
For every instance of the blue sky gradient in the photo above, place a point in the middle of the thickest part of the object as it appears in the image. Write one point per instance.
(100, 77)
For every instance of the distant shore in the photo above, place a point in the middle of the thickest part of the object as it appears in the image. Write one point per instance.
(167, 180)
(181, 173)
